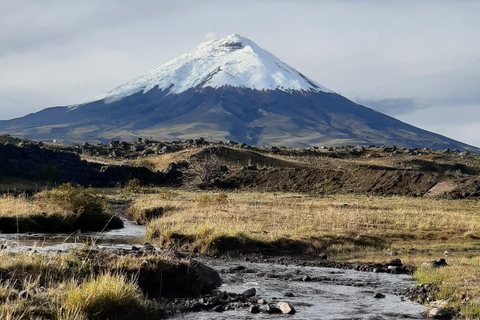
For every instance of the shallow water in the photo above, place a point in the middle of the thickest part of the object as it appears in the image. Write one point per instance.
(129, 235)
(347, 295)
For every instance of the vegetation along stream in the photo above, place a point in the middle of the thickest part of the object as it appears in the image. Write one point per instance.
(313, 292)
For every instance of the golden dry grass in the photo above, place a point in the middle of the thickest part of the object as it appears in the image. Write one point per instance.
(17, 206)
(80, 285)
(344, 225)
(457, 284)
(63, 209)
(160, 162)
(348, 227)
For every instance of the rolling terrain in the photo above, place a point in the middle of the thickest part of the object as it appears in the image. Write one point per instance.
(199, 163)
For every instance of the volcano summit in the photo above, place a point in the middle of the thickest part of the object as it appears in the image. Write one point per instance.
(227, 89)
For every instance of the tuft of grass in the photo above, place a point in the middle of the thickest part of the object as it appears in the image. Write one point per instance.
(107, 296)
(75, 200)
(11, 312)
(133, 186)
(221, 198)
(144, 215)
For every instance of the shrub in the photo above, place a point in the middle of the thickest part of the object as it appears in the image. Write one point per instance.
(86, 209)
(133, 185)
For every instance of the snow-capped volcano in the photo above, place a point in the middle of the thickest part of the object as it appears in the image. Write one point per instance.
(227, 89)
(231, 61)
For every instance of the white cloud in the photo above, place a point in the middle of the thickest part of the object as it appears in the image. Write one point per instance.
(211, 36)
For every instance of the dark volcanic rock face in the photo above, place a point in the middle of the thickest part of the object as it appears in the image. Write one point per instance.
(272, 117)
(34, 163)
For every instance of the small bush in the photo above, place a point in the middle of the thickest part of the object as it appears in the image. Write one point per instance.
(82, 206)
(133, 185)
(75, 199)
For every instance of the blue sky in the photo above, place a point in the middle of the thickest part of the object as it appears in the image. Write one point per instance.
(418, 61)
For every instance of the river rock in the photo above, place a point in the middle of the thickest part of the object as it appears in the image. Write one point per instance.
(286, 308)
(249, 293)
(395, 269)
(434, 264)
(254, 308)
(219, 308)
(379, 295)
(438, 310)
(273, 309)
(395, 262)
(210, 278)
(306, 279)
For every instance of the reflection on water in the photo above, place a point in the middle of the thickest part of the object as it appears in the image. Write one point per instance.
(347, 295)
(129, 235)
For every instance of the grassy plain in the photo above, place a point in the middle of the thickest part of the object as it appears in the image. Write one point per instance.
(342, 226)
(345, 227)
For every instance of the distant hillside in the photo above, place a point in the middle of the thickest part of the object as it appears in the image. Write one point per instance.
(202, 164)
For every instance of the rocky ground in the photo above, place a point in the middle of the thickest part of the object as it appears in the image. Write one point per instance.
(370, 170)
(251, 302)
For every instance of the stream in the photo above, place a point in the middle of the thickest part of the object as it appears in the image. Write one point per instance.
(331, 293)
(131, 234)
(328, 294)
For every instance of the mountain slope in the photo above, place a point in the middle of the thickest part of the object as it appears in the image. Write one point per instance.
(227, 89)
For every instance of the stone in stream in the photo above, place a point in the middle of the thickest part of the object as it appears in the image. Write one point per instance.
(395, 269)
(210, 278)
(379, 295)
(249, 293)
(254, 308)
(306, 279)
(219, 308)
(273, 309)
(286, 308)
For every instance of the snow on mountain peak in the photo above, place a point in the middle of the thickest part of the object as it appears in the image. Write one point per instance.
(231, 61)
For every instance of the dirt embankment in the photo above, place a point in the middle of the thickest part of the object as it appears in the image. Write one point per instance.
(365, 170)
(361, 180)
